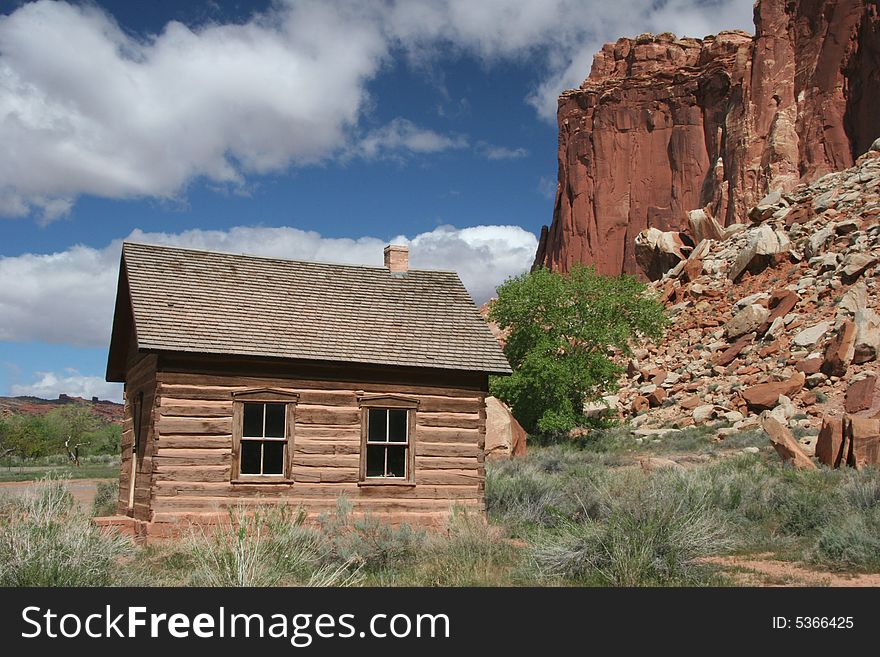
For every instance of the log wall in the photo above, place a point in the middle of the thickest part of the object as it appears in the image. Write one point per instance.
(191, 447)
(141, 378)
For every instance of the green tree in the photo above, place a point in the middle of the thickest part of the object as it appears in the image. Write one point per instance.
(562, 330)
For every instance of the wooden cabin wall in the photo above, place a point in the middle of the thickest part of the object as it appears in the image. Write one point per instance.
(141, 378)
(193, 440)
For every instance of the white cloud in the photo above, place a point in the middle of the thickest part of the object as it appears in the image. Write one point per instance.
(400, 136)
(68, 297)
(48, 385)
(87, 108)
(492, 152)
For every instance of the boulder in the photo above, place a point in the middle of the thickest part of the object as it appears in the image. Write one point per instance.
(727, 356)
(703, 413)
(746, 320)
(765, 396)
(652, 463)
(840, 350)
(657, 397)
(658, 251)
(703, 226)
(640, 404)
(855, 264)
(809, 365)
(505, 437)
(866, 344)
(855, 299)
(860, 393)
(810, 336)
(863, 435)
(829, 446)
(785, 444)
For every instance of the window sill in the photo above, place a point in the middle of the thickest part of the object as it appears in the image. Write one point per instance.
(262, 480)
(386, 482)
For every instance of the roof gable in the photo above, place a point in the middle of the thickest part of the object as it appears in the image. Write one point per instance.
(206, 302)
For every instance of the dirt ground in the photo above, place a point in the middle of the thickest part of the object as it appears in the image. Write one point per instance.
(83, 490)
(765, 570)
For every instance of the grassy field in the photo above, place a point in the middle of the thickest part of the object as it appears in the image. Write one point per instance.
(58, 467)
(611, 510)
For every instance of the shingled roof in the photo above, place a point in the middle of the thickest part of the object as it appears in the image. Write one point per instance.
(204, 302)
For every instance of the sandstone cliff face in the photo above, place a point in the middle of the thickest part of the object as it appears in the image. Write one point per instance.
(663, 125)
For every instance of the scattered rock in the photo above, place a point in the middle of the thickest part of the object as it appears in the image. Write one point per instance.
(840, 351)
(866, 343)
(809, 337)
(653, 463)
(785, 444)
(860, 394)
(746, 320)
(765, 396)
(863, 435)
(829, 445)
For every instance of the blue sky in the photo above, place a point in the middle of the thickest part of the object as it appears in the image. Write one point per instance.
(310, 130)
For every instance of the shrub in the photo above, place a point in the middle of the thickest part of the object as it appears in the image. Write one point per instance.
(849, 542)
(106, 497)
(260, 547)
(552, 485)
(652, 536)
(46, 540)
(365, 542)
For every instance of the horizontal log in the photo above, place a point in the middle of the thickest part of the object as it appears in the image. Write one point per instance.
(326, 460)
(449, 404)
(435, 477)
(308, 474)
(190, 425)
(181, 503)
(322, 491)
(442, 435)
(192, 473)
(204, 409)
(448, 420)
(326, 431)
(325, 447)
(184, 457)
(446, 463)
(194, 442)
(199, 381)
(447, 449)
(327, 415)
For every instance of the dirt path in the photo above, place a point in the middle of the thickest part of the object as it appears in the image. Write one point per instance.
(83, 490)
(764, 570)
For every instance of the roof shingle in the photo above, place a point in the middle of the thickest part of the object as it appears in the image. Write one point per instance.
(206, 302)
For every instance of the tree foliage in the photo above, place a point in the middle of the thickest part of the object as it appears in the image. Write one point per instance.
(33, 436)
(561, 330)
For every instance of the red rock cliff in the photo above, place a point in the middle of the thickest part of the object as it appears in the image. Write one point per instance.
(665, 125)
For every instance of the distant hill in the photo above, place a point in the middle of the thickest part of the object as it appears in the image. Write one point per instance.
(107, 410)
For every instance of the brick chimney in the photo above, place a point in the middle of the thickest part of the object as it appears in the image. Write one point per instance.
(397, 258)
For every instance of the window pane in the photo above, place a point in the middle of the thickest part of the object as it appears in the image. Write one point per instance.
(377, 424)
(375, 461)
(274, 420)
(250, 457)
(253, 421)
(397, 419)
(273, 457)
(396, 461)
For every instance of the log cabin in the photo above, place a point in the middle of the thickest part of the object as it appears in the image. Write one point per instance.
(253, 380)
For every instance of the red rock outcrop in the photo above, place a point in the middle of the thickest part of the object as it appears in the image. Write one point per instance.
(663, 126)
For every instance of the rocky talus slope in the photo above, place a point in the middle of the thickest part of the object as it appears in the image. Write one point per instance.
(663, 126)
(774, 323)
